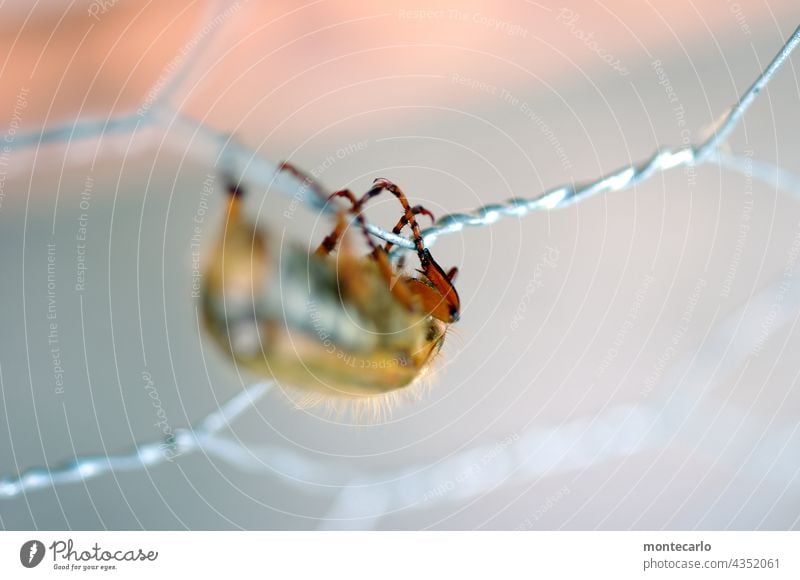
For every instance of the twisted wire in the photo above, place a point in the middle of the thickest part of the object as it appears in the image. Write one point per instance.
(561, 196)
(143, 455)
(621, 179)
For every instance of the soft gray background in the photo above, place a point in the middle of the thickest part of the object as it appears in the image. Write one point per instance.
(587, 413)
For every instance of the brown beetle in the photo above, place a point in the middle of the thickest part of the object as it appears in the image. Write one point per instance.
(330, 323)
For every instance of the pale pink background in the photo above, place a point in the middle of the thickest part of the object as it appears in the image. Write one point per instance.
(301, 81)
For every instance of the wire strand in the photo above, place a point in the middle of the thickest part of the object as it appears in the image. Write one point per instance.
(143, 455)
(621, 179)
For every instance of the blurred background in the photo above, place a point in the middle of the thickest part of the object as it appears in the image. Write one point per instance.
(623, 363)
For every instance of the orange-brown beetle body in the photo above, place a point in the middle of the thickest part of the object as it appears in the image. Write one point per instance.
(336, 325)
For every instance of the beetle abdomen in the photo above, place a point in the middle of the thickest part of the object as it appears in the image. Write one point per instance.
(304, 325)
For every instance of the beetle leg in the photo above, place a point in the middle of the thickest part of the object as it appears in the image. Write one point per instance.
(348, 273)
(446, 305)
(417, 209)
(330, 242)
(308, 181)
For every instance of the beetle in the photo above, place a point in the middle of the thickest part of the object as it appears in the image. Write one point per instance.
(330, 323)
